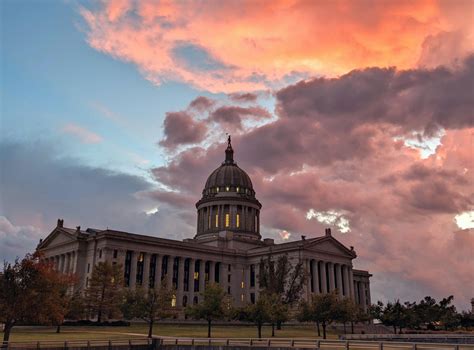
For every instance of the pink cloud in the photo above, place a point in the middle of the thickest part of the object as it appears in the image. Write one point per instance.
(84, 135)
(257, 48)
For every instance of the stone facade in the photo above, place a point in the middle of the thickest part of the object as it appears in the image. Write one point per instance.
(227, 249)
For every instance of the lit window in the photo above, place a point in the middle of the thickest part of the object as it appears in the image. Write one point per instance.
(242, 285)
(242, 297)
(217, 189)
(140, 257)
(217, 220)
(238, 189)
(237, 221)
(227, 220)
(112, 279)
(173, 301)
(196, 275)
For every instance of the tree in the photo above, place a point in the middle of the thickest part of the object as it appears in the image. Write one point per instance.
(149, 305)
(282, 279)
(104, 293)
(258, 313)
(31, 291)
(346, 311)
(322, 309)
(447, 313)
(278, 310)
(213, 306)
(426, 312)
(395, 314)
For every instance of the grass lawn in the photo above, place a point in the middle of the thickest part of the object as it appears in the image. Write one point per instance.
(137, 330)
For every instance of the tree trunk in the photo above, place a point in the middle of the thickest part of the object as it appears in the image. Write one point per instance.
(345, 331)
(273, 329)
(99, 316)
(319, 328)
(352, 327)
(7, 330)
(394, 329)
(58, 328)
(400, 330)
(150, 329)
(209, 328)
(324, 330)
(259, 329)
(279, 323)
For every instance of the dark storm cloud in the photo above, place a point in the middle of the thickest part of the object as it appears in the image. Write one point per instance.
(180, 128)
(37, 187)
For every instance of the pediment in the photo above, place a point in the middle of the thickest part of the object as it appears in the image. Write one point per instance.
(332, 246)
(56, 238)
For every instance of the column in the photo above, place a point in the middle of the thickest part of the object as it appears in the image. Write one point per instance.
(180, 293)
(362, 296)
(331, 276)
(324, 288)
(351, 284)
(315, 276)
(192, 262)
(345, 275)
(159, 263)
(202, 275)
(246, 279)
(369, 298)
(308, 280)
(67, 262)
(73, 262)
(169, 272)
(338, 268)
(146, 271)
(133, 270)
(212, 270)
(223, 276)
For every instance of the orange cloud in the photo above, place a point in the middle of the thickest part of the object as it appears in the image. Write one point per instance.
(240, 46)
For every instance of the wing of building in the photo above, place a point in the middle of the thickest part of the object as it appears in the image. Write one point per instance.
(226, 249)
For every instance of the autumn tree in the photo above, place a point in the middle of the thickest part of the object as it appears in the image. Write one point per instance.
(214, 305)
(150, 305)
(31, 291)
(104, 293)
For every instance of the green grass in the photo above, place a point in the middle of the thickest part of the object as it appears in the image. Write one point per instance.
(137, 330)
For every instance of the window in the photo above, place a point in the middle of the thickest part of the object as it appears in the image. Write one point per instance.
(238, 189)
(88, 268)
(228, 278)
(217, 189)
(196, 275)
(227, 220)
(237, 220)
(242, 297)
(252, 298)
(100, 253)
(140, 257)
(228, 290)
(217, 220)
(227, 188)
(242, 285)
(173, 301)
(115, 253)
(252, 275)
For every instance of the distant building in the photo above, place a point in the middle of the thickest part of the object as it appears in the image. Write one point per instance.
(226, 249)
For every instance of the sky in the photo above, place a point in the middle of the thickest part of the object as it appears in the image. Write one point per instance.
(354, 115)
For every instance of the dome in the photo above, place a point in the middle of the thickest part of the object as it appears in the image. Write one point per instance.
(229, 175)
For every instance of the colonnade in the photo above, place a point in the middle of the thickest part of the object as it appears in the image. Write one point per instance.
(219, 217)
(65, 263)
(326, 277)
(187, 276)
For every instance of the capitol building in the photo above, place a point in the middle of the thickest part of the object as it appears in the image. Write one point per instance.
(226, 249)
